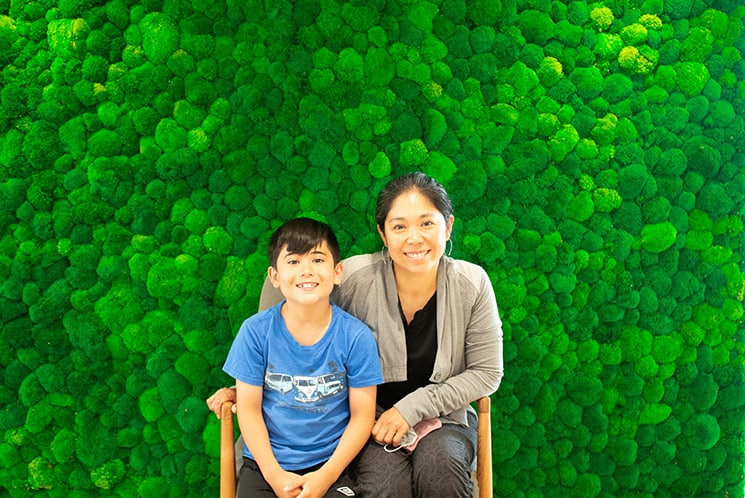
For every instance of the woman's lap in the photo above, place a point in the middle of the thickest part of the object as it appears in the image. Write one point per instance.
(439, 467)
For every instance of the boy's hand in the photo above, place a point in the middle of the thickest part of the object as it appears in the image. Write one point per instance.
(284, 484)
(215, 401)
(312, 485)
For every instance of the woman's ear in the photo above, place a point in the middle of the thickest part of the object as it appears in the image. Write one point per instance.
(382, 235)
(449, 227)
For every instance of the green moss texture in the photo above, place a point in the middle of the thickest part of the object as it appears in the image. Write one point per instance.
(593, 151)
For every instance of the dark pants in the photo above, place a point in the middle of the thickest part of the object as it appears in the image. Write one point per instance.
(440, 466)
(252, 484)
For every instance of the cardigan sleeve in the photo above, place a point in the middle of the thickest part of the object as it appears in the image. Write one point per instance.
(469, 361)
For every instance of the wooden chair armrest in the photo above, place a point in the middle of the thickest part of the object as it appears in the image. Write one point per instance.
(227, 451)
(483, 452)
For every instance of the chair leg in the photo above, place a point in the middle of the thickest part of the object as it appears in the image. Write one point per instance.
(227, 451)
(483, 451)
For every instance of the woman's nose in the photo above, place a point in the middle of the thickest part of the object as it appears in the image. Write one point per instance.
(413, 235)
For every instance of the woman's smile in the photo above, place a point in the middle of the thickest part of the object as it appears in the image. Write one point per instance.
(417, 255)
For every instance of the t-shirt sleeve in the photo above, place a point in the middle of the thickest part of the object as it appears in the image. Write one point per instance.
(245, 360)
(363, 366)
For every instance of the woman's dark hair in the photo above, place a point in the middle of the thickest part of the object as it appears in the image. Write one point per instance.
(301, 235)
(424, 184)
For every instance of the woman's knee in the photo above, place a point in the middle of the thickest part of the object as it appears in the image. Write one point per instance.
(382, 474)
(441, 466)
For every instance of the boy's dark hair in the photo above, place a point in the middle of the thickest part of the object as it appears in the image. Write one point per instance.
(301, 235)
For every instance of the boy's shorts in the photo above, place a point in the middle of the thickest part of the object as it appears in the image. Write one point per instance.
(252, 484)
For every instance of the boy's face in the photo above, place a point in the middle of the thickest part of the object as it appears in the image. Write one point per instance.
(306, 278)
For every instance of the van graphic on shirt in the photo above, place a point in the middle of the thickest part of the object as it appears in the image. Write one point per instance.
(306, 389)
(278, 382)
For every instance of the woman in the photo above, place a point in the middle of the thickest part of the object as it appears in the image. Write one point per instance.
(439, 340)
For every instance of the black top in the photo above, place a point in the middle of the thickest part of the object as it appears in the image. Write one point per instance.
(421, 348)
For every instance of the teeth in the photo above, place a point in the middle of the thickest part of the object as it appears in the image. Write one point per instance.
(306, 286)
(416, 255)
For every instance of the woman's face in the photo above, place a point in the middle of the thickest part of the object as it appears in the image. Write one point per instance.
(415, 232)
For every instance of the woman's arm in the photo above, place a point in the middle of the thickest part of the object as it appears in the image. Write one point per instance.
(215, 402)
(475, 353)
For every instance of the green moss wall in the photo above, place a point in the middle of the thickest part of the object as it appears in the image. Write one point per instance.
(594, 153)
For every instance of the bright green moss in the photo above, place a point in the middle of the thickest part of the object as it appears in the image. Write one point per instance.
(218, 241)
(617, 87)
(193, 367)
(697, 46)
(606, 200)
(160, 37)
(550, 71)
(108, 475)
(66, 37)
(581, 208)
(192, 415)
(508, 448)
(522, 78)
(658, 237)
(129, 135)
(40, 474)
(349, 66)
(536, 26)
(638, 60)
(702, 432)
(152, 487)
(439, 166)
(691, 77)
(666, 349)
(602, 18)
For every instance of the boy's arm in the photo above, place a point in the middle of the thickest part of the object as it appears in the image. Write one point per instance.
(353, 439)
(256, 436)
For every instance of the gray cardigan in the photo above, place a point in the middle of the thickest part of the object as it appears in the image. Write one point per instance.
(468, 363)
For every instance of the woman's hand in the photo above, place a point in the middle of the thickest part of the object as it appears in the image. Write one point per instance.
(390, 427)
(215, 401)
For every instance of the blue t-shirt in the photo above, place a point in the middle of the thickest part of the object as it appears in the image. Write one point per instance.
(305, 388)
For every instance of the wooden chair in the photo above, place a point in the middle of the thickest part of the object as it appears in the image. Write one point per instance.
(483, 451)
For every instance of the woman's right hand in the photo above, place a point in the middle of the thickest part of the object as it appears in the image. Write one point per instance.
(215, 401)
(390, 427)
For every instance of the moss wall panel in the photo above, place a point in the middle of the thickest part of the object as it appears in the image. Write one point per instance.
(594, 153)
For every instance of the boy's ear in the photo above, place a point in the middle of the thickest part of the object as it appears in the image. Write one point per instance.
(338, 272)
(273, 278)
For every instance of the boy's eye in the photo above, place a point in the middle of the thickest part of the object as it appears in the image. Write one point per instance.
(319, 260)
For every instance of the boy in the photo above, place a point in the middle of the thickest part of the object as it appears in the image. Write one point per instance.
(306, 374)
